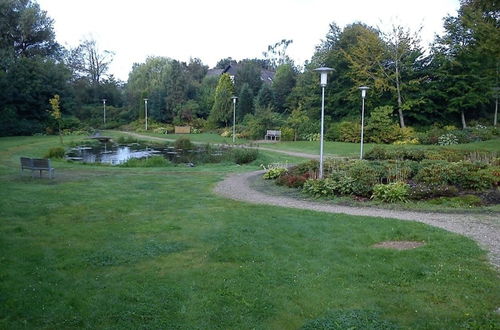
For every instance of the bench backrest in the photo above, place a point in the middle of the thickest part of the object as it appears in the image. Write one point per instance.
(41, 163)
(273, 132)
(26, 162)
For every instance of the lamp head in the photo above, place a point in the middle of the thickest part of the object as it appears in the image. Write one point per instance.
(234, 98)
(363, 91)
(324, 74)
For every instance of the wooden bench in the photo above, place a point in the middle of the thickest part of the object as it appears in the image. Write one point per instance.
(36, 164)
(273, 135)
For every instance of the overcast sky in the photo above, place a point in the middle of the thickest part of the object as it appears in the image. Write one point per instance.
(215, 29)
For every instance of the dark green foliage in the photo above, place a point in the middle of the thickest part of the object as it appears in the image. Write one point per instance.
(465, 201)
(183, 143)
(223, 105)
(380, 127)
(283, 83)
(56, 152)
(245, 103)
(243, 155)
(350, 319)
(364, 178)
(249, 73)
(265, 97)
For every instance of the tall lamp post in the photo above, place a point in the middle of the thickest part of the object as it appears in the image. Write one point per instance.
(495, 118)
(363, 96)
(324, 76)
(146, 112)
(234, 98)
(104, 111)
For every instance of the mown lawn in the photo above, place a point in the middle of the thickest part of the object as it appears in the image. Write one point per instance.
(352, 149)
(103, 247)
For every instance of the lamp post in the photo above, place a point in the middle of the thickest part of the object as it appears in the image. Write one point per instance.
(363, 95)
(234, 98)
(324, 76)
(104, 110)
(495, 118)
(146, 112)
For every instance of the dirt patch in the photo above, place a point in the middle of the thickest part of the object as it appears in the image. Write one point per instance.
(399, 245)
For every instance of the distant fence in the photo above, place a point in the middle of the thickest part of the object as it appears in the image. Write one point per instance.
(182, 129)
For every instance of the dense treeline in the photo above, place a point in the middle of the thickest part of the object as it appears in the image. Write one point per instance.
(451, 83)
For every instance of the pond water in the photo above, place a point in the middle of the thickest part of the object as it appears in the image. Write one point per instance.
(109, 153)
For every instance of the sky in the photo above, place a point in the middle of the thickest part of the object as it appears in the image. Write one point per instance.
(214, 29)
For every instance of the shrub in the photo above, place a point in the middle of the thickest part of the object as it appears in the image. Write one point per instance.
(183, 143)
(392, 192)
(316, 187)
(430, 136)
(243, 155)
(380, 127)
(310, 167)
(450, 155)
(447, 139)
(349, 132)
(377, 153)
(274, 173)
(427, 191)
(57, 152)
(292, 180)
(155, 161)
(364, 176)
(287, 134)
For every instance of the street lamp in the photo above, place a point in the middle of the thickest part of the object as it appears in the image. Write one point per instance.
(104, 110)
(234, 98)
(363, 90)
(324, 75)
(146, 112)
(495, 118)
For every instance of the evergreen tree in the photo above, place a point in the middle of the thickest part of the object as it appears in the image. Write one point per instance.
(223, 106)
(265, 97)
(283, 83)
(245, 102)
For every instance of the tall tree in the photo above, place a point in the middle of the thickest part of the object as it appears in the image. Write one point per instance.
(245, 102)
(222, 109)
(276, 53)
(88, 61)
(283, 83)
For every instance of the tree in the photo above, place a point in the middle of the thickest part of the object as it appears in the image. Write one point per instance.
(265, 97)
(249, 73)
(222, 109)
(55, 112)
(283, 83)
(26, 30)
(245, 102)
(276, 54)
(297, 120)
(88, 61)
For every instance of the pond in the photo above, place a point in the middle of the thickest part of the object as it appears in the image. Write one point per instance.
(114, 154)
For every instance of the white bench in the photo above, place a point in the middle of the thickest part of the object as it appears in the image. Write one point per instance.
(273, 135)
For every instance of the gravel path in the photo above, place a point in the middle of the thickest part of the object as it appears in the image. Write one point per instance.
(483, 228)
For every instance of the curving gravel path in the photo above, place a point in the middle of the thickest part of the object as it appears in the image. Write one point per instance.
(483, 228)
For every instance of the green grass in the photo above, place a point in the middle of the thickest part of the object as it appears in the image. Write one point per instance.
(108, 247)
(352, 149)
(198, 138)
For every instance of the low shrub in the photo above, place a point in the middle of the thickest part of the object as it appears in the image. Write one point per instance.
(274, 173)
(292, 180)
(349, 132)
(364, 178)
(447, 139)
(392, 192)
(422, 191)
(56, 152)
(310, 167)
(155, 161)
(243, 155)
(183, 143)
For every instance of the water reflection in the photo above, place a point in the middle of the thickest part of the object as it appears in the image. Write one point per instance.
(114, 155)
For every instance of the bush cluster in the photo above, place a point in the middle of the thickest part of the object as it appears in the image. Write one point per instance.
(56, 152)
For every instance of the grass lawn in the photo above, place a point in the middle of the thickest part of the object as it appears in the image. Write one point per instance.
(352, 149)
(199, 138)
(107, 247)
